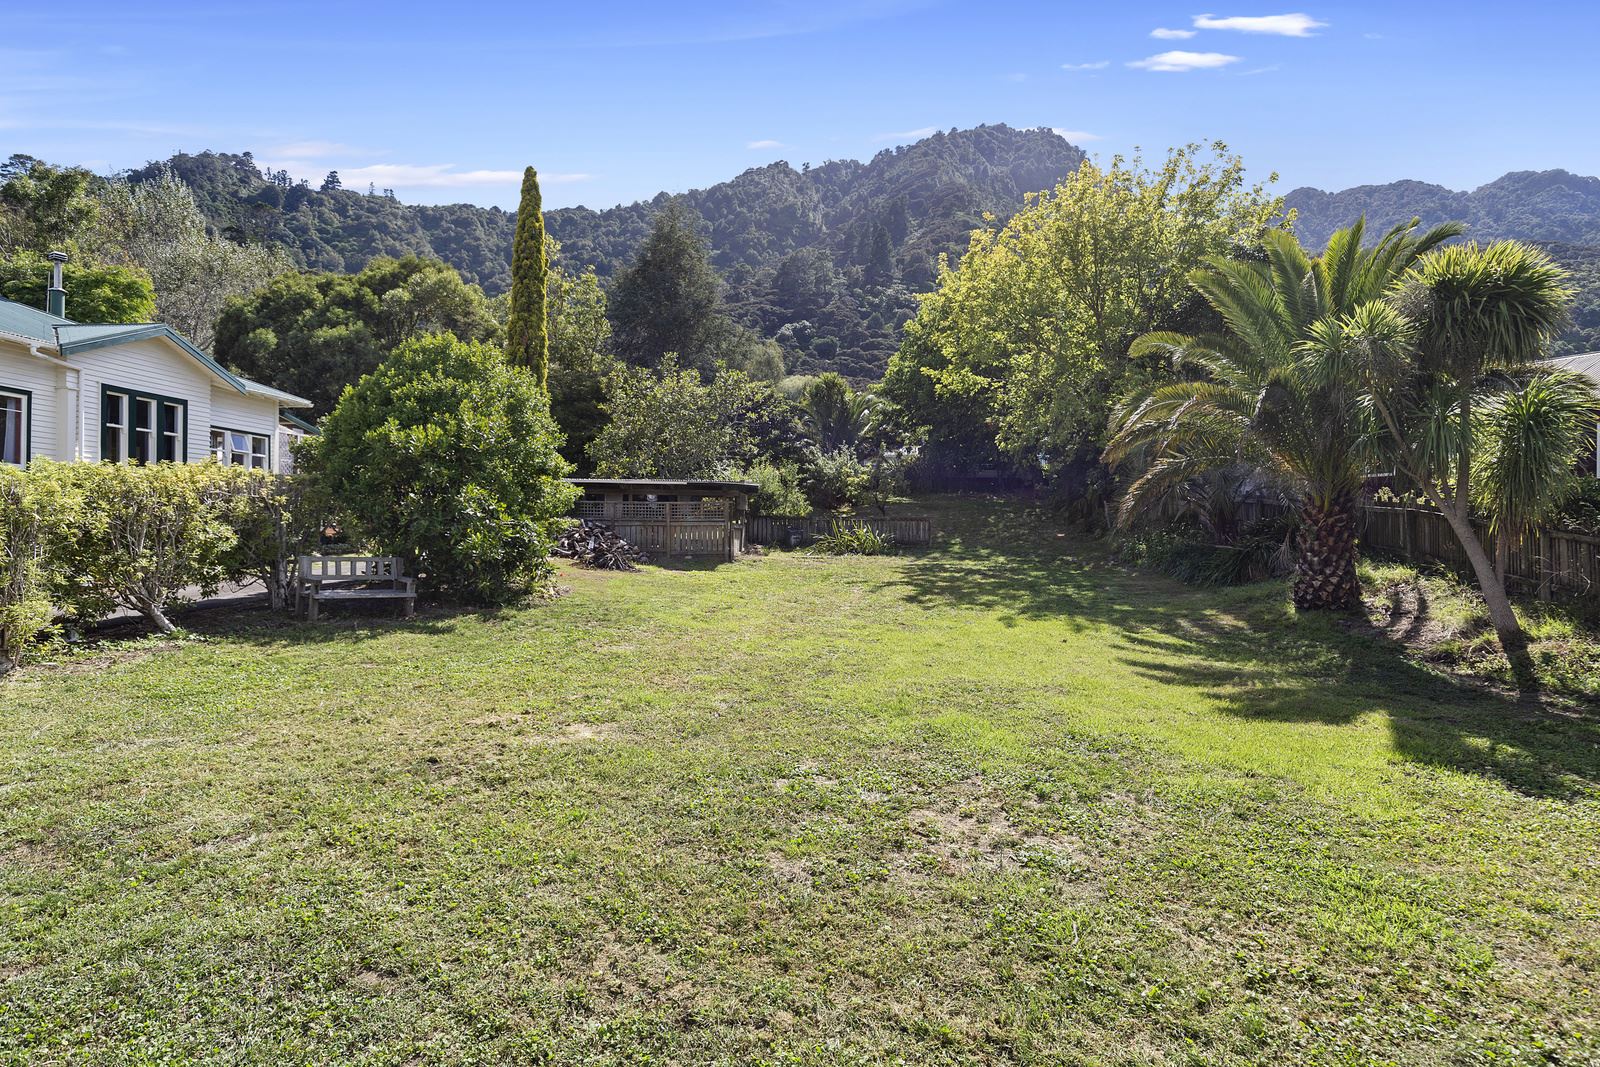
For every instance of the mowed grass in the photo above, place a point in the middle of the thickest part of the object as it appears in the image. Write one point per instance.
(998, 802)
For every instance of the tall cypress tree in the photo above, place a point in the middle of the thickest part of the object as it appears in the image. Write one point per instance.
(528, 332)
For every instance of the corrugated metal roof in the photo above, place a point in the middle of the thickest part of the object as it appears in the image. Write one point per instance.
(1585, 363)
(29, 322)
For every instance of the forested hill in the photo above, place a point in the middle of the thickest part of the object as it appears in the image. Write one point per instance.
(1543, 205)
(1558, 210)
(828, 258)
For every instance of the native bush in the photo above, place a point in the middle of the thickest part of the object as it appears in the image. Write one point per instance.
(837, 479)
(446, 455)
(779, 492)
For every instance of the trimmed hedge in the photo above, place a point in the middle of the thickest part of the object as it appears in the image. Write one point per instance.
(87, 539)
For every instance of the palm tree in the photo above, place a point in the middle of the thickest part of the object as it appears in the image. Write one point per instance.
(838, 415)
(1527, 437)
(1462, 314)
(1264, 399)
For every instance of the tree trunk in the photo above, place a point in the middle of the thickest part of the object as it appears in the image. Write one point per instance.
(1493, 588)
(1325, 573)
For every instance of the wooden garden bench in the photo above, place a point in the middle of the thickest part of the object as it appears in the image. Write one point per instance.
(326, 579)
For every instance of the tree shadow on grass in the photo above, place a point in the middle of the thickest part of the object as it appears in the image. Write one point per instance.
(1248, 653)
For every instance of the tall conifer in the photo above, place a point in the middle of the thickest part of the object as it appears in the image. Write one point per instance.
(528, 332)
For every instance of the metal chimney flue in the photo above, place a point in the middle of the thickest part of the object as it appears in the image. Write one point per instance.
(55, 298)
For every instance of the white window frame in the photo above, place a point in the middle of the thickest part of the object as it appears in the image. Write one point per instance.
(25, 413)
(152, 435)
(241, 448)
(119, 454)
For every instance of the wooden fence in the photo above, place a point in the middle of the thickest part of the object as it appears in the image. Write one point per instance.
(1548, 562)
(903, 530)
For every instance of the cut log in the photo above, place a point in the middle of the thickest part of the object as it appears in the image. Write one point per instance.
(594, 544)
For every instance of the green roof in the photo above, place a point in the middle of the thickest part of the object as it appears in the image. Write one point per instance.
(29, 322)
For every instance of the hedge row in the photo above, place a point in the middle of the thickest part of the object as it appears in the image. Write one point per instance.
(82, 540)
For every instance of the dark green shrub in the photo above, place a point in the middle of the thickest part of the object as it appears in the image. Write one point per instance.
(446, 454)
(779, 492)
(836, 479)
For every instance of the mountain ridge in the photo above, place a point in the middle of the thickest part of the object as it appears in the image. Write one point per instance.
(765, 228)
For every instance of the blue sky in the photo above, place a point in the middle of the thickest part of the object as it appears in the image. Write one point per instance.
(615, 101)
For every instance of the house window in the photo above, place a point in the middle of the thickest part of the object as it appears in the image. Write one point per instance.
(14, 430)
(113, 427)
(235, 448)
(141, 428)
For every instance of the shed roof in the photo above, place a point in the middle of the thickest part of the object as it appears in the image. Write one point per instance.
(701, 485)
(1584, 363)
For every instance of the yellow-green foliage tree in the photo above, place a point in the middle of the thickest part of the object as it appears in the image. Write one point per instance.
(1030, 334)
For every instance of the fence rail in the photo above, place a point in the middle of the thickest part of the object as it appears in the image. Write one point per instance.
(903, 530)
(653, 511)
(1548, 562)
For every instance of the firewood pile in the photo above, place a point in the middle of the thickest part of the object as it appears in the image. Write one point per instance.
(594, 544)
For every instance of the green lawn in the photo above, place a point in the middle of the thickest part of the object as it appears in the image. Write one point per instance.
(992, 803)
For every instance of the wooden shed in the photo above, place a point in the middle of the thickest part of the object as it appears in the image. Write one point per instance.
(671, 516)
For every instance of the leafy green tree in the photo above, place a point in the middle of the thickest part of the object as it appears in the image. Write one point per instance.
(527, 333)
(446, 454)
(331, 182)
(43, 207)
(1269, 396)
(313, 334)
(1525, 441)
(671, 423)
(1034, 325)
(880, 257)
(95, 293)
(1458, 316)
(663, 424)
(580, 359)
(668, 300)
(157, 227)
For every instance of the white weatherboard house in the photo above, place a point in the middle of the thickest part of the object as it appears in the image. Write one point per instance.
(129, 393)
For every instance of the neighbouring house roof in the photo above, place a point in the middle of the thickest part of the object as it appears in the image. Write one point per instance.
(1584, 363)
(694, 485)
(70, 338)
(297, 422)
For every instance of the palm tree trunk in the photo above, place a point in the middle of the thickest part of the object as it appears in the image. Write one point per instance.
(1325, 573)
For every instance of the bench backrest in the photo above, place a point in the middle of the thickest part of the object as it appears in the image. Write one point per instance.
(352, 568)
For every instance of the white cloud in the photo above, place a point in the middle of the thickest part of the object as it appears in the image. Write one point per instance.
(908, 135)
(1161, 33)
(319, 150)
(1296, 25)
(765, 144)
(416, 176)
(1258, 70)
(1017, 77)
(1179, 61)
(1099, 64)
(1075, 136)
